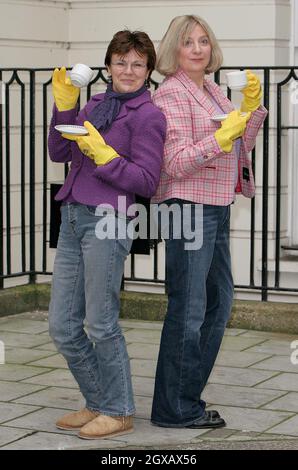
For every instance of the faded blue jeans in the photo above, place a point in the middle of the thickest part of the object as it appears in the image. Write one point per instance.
(200, 295)
(85, 292)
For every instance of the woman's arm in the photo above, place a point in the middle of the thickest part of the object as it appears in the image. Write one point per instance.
(252, 128)
(183, 156)
(141, 172)
(60, 148)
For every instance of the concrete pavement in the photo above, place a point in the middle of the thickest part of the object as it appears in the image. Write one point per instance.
(254, 385)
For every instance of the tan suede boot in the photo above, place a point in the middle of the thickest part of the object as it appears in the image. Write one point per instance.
(107, 426)
(77, 419)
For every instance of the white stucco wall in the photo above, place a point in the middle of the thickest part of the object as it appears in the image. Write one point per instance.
(33, 33)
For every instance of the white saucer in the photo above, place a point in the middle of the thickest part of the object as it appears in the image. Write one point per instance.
(71, 129)
(219, 117)
(222, 117)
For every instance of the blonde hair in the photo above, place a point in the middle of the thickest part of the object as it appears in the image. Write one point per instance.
(178, 30)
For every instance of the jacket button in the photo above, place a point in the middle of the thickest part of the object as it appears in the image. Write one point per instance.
(208, 155)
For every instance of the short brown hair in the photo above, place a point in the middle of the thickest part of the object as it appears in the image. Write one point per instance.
(179, 28)
(124, 41)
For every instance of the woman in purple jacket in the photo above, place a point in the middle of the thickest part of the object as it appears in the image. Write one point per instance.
(120, 157)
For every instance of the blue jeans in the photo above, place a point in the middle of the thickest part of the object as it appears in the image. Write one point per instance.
(86, 293)
(200, 295)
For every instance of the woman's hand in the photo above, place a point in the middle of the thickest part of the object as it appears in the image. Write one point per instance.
(252, 93)
(93, 145)
(231, 128)
(65, 93)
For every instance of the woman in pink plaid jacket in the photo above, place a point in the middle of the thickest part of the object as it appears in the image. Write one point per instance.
(205, 163)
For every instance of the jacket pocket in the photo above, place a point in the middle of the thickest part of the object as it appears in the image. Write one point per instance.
(208, 172)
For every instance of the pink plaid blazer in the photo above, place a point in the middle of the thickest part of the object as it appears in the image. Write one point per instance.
(194, 166)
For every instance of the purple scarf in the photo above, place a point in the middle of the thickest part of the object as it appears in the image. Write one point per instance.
(103, 115)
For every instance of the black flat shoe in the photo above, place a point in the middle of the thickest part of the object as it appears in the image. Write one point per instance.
(213, 413)
(211, 419)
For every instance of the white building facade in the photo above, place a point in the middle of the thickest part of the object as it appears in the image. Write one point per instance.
(256, 33)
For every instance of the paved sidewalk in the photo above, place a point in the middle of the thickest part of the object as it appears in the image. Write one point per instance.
(254, 386)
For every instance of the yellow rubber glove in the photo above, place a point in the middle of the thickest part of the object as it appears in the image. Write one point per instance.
(252, 93)
(65, 93)
(93, 145)
(231, 128)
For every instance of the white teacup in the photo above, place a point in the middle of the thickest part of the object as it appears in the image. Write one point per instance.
(237, 80)
(81, 75)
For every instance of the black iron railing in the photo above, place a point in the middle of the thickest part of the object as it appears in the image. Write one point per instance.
(24, 119)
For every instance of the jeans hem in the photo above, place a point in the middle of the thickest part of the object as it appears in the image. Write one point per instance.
(124, 414)
(171, 425)
(91, 408)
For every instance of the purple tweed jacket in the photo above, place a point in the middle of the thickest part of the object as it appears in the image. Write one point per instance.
(137, 135)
